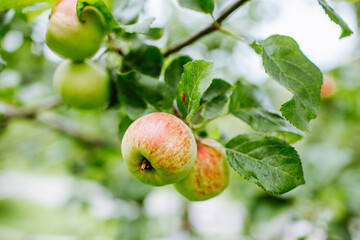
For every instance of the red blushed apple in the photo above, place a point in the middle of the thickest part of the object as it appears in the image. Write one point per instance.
(328, 88)
(159, 149)
(71, 38)
(210, 174)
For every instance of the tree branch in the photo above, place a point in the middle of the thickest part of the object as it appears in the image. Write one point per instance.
(11, 111)
(70, 129)
(211, 28)
(51, 120)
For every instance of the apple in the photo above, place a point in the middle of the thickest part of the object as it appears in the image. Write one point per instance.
(159, 149)
(328, 88)
(71, 38)
(210, 174)
(82, 85)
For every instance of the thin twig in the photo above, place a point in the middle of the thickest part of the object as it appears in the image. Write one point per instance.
(178, 113)
(39, 114)
(69, 129)
(211, 28)
(112, 46)
(235, 36)
(118, 51)
(11, 111)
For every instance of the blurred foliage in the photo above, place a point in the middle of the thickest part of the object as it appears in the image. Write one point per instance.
(56, 186)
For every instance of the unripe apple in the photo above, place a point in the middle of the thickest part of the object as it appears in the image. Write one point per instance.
(159, 149)
(82, 85)
(210, 174)
(71, 38)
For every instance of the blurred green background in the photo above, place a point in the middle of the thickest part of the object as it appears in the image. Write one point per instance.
(61, 173)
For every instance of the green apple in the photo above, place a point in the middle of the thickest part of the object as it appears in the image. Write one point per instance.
(71, 38)
(82, 85)
(210, 174)
(159, 149)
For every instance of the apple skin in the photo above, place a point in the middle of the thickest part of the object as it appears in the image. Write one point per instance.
(328, 88)
(162, 141)
(210, 174)
(82, 85)
(71, 38)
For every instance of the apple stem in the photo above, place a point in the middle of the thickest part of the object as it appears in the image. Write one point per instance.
(143, 165)
(197, 139)
(178, 113)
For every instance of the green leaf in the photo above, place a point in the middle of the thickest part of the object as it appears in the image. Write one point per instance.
(7, 4)
(32, 12)
(2, 64)
(133, 103)
(215, 107)
(144, 58)
(217, 87)
(256, 46)
(215, 98)
(269, 162)
(268, 121)
(196, 78)
(206, 6)
(139, 27)
(252, 106)
(155, 33)
(346, 31)
(246, 95)
(102, 7)
(149, 90)
(124, 124)
(285, 63)
(128, 11)
(173, 73)
(114, 102)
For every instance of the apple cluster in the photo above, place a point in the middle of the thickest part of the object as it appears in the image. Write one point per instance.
(160, 149)
(81, 83)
